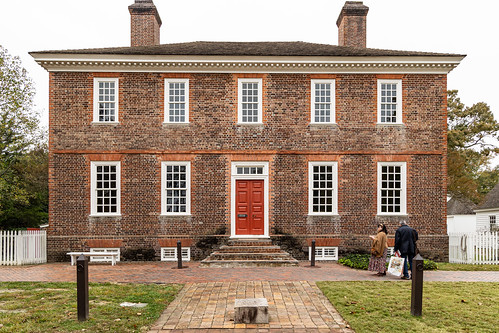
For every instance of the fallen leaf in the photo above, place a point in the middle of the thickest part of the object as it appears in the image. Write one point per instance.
(117, 319)
(480, 304)
(463, 301)
(139, 314)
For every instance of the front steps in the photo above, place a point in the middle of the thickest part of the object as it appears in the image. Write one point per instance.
(249, 253)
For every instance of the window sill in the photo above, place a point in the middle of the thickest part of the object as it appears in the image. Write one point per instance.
(105, 215)
(393, 215)
(390, 125)
(250, 124)
(323, 214)
(167, 124)
(176, 215)
(112, 123)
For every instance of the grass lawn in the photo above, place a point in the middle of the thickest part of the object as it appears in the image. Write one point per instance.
(51, 307)
(384, 306)
(445, 266)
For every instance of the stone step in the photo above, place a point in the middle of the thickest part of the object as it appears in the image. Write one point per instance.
(250, 242)
(249, 256)
(250, 249)
(248, 263)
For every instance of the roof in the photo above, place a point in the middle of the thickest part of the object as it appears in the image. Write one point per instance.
(491, 199)
(249, 49)
(460, 206)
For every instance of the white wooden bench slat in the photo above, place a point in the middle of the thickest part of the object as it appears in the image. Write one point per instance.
(74, 256)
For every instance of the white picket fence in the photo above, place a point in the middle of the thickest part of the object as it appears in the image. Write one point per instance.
(23, 247)
(474, 248)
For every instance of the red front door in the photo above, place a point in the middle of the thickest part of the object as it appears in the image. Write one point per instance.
(249, 207)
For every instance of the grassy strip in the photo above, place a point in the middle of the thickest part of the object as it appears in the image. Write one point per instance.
(385, 306)
(51, 307)
(446, 266)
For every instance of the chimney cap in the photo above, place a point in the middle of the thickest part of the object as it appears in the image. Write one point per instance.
(352, 8)
(145, 6)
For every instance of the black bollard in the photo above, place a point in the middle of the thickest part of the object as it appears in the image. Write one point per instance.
(179, 254)
(312, 255)
(82, 287)
(417, 286)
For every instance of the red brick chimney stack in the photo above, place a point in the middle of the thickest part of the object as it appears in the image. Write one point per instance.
(352, 24)
(145, 23)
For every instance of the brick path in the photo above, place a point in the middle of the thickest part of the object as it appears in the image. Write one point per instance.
(206, 302)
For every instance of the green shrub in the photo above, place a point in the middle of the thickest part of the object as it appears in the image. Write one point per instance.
(361, 261)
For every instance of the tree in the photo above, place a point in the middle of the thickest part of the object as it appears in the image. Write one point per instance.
(19, 130)
(472, 134)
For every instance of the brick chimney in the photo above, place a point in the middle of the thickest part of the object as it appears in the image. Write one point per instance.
(352, 24)
(145, 23)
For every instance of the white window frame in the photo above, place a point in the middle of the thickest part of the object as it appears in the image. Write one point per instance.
(186, 254)
(403, 190)
(399, 101)
(164, 164)
(93, 187)
(234, 177)
(310, 186)
(240, 100)
(167, 100)
(319, 253)
(105, 250)
(97, 80)
(332, 104)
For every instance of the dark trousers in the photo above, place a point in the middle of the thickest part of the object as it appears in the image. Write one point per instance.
(408, 260)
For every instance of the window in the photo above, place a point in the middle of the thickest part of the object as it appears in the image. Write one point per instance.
(170, 254)
(106, 100)
(105, 259)
(323, 193)
(390, 101)
(176, 187)
(250, 101)
(249, 170)
(176, 100)
(324, 253)
(322, 101)
(392, 188)
(105, 188)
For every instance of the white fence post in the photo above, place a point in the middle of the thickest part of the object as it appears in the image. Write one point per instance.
(23, 247)
(474, 248)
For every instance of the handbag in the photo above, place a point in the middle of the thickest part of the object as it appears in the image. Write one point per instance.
(396, 266)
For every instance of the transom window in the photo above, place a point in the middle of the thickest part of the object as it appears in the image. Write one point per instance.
(176, 188)
(249, 170)
(391, 188)
(390, 101)
(250, 101)
(323, 101)
(322, 188)
(105, 100)
(105, 188)
(177, 101)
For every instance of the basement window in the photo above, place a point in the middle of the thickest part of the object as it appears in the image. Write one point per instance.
(324, 253)
(170, 254)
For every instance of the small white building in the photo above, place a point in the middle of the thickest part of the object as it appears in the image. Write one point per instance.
(487, 213)
(461, 216)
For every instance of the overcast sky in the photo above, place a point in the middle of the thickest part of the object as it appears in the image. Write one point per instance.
(450, 26)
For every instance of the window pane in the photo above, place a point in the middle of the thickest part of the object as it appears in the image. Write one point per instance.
(322, 191)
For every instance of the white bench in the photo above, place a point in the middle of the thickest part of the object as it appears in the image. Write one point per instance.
(75, 255)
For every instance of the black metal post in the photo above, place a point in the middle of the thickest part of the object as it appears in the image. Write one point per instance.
(417, 286)
(312, 255)
(179, 254)
(82, 287)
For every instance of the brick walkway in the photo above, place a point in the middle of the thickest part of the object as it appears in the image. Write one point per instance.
(206, 303)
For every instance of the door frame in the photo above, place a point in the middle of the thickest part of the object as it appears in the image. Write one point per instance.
(235, 176)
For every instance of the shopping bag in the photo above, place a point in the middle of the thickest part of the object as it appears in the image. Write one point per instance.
(396, 266)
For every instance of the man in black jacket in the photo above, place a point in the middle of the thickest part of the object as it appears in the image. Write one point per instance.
(405, 242)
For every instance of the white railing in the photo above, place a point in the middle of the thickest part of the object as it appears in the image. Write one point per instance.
(474, 248)
(23, 247)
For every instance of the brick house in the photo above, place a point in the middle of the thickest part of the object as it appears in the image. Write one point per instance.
(210, 141)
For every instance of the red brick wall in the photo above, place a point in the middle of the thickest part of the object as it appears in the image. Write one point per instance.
(213, 139)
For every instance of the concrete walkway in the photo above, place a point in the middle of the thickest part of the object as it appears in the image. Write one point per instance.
(206, 303)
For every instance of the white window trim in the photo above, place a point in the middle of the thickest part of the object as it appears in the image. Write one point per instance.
(399, 101)
(240, 100)
(186, 257)
(322, 256)
(403, 195)
(333, 101)
(310, 185)
(96, 99)
(265, 178)
(93, 187)
(163, 187)
(105, 249)
(167, 95)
